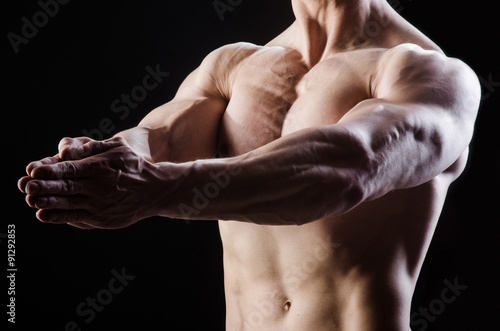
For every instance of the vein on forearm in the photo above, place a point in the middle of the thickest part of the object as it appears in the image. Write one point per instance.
(294, 180)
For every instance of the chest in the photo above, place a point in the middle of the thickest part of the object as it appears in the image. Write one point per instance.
(274, 94)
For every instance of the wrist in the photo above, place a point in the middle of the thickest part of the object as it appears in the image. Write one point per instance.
(195, 190)
(138, 139)
(167, 186)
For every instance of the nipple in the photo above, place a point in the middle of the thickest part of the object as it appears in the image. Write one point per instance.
(287, 306)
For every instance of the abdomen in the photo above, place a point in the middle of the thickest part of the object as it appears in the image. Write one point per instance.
(360, 267)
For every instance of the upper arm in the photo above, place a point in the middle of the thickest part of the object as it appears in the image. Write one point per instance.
(421, 118)
(407, 74)
(186, 128)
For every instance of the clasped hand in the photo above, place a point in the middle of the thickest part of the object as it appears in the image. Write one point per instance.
(91, 184)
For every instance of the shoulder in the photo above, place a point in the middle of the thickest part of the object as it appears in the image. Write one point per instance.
(412, 52)
(223, 64)
(231, 53)
(406, 59)
(224, 60)
(218, 66)
(410, 71)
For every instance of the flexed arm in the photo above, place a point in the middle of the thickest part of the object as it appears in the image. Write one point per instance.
(186, 128)
(71, 186)
(419, 124)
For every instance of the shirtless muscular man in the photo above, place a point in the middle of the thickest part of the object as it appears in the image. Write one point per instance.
(325, 155)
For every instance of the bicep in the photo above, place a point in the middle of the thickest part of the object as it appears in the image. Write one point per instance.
(205, 93)
(406, 143)
(421, 121)
(430, 81)
(195, 105)
(200, 94)
(186, 128)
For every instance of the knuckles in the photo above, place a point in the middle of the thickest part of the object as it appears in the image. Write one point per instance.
(83, 147)
(68, 186)
(98, 186)
(74, 148)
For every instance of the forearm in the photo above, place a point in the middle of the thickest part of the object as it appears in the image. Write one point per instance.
(294, 180)
(138, 139)
(316, 172)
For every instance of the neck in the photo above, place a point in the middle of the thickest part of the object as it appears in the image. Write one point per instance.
(323, 27)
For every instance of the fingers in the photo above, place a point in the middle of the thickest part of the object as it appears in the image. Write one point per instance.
(74, 202)
(79, 217)
(69, 170)
(28, 185)
(70, 148)
(46, 161)
(70, 209)
(21, 183)
(51, 184)
(54, 171)
(57, 194)
(63, 187)
(74, 149)
(80, 148)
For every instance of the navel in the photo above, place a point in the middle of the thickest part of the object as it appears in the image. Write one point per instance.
(287, 306)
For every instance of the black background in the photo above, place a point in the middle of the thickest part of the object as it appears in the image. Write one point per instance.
(64, 80)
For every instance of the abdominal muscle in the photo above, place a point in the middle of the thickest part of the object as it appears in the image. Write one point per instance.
(351, 272)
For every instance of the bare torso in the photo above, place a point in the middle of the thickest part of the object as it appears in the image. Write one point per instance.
(353, 270)
(356, 271)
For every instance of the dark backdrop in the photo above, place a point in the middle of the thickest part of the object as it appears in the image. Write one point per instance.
(63, 80)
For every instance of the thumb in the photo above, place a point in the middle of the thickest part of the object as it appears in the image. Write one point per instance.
(70, 148)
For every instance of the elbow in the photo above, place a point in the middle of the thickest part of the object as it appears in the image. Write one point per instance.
(359, 180)
(337, 191)
(352, 178)
(337, 196)
(354, 188)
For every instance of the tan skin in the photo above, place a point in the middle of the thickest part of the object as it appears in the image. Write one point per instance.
(335, 155)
